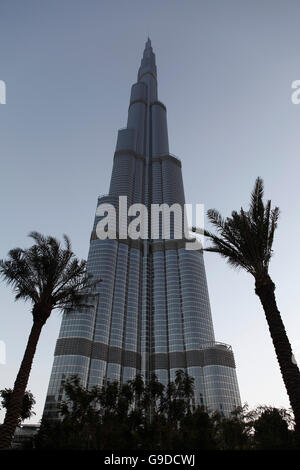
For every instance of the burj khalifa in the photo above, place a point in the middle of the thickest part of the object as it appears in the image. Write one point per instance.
(152, 314)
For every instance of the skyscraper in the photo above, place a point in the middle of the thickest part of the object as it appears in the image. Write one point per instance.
(152, 313)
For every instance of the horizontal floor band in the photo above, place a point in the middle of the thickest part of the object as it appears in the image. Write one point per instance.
(138, 100)
(212, 355)
(153, 159)
(159, 245)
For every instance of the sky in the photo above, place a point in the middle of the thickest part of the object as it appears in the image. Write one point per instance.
(225, 70)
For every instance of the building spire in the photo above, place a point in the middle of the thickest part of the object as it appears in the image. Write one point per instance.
(148, 64)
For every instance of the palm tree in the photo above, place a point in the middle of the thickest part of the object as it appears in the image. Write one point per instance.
(245, 240)
(50, 277)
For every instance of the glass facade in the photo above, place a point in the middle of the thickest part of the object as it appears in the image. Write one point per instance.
(153, 312)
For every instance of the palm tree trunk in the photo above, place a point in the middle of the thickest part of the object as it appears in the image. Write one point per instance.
(265, 288)
(14, 408)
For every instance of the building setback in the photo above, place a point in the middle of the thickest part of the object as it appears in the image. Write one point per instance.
(152, 313)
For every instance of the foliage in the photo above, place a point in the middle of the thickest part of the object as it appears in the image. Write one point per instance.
(46, 274)
(150, 416)
(27, 405)
(245, 239)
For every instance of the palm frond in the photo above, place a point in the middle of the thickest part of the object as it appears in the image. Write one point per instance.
(48, 274)
(245, 239)
(256, 204)
(15, 272)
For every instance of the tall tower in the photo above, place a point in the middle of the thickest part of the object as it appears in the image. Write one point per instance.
(153, 312)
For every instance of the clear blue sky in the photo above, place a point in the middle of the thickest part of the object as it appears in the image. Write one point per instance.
(225, 70)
